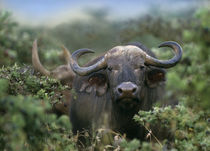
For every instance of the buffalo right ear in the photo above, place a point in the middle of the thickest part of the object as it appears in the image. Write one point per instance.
(96, 83)
(155, 76)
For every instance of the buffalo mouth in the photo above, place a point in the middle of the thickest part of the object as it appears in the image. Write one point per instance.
(127, 102)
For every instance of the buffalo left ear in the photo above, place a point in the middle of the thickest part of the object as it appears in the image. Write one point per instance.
(155, 76)
(96, 83)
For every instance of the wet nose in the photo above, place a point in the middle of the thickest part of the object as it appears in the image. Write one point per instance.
(127, 89)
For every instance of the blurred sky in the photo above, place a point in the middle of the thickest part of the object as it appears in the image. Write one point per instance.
(53, 12)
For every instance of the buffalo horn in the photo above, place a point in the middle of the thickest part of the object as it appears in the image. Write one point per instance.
(36, 62)
(86, 70)
(166, 63)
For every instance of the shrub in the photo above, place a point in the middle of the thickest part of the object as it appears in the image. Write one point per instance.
(24, 80)
(25, 123)
(190, 129)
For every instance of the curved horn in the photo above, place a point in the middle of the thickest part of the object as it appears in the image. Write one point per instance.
(86, 70)
(166, 63)
(66, 55)
(36, 62)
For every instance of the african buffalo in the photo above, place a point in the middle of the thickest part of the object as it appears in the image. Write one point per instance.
(113, 87)
(110, 89)
(63, 73)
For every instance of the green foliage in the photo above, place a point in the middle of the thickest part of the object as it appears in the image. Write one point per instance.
(13, 44)
(23, 80)
(25, 125)
(203, 15)
(16, 42)
(190, 129)
(189, 82)
(4, 87)
(130, 146)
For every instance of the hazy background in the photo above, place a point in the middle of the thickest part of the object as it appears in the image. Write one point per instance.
(54, 12)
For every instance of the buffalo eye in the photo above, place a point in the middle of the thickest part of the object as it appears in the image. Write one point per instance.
(142, 67)
(109, 68)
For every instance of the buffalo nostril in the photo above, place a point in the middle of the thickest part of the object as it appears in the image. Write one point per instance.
(120, 90)
(127, 89)
(134, 90)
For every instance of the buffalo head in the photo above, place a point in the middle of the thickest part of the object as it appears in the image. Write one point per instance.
(63, 73)
(127, 71)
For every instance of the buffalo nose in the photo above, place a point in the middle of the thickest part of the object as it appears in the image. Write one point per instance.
(127, 89)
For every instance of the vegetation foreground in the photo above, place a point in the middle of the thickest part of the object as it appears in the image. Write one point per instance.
(27, 121)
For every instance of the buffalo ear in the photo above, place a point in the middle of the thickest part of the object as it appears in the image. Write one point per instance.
(96, 83)
(155, 76)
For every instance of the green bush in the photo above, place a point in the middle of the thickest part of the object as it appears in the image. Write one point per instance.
(25, 125)
(190, 129)
(25, 120)
(13, 44)
(24, 81)
(189, 82)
